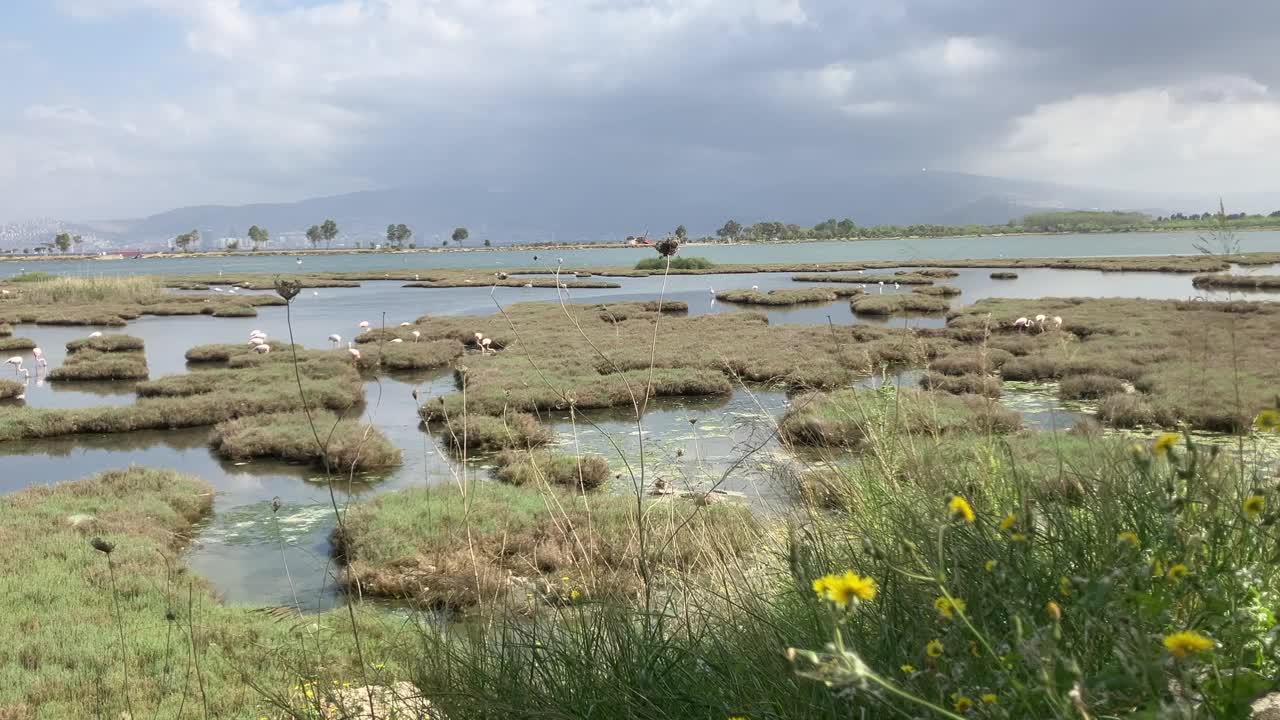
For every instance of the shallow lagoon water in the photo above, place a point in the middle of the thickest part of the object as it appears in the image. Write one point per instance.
(239, 548)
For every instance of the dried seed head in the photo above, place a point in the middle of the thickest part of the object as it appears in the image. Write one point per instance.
(170, 615)
(287, 289)
(102, 546)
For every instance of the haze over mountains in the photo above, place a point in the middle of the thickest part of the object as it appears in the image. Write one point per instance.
(588, 212)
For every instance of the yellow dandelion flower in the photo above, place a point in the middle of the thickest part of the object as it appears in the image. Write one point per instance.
(1254, 505)
(1268, 420)
(1018, 537)
(961, 703)
(948, 606)
(840, 590)
(1186, 643)
(908, 668)
(990, 565)
(574, 594)
(1064, 586)
(1177, 571)
(1128, 538)
(934, 648)
(1165, 443)
(1008, 522)
(990, 699)
(1053, 610)
(960, 509)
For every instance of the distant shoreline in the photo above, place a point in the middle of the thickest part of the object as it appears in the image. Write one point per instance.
(210, 254)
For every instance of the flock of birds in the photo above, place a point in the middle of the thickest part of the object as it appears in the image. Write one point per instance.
(1040, 323)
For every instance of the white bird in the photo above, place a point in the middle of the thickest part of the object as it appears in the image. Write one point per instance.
(1057, 321)
(95, 334)
(256, 331)
(364, 325)
(262, 349)
(479, 337)
(315, 293)
(416, 335)
(1040, 318)
(755, 288)
(404, 324)
(528, 285)
(881, 287)
(861, 272)
(299, 261)
(1021, 323)
(484, 346)
(38, 354)
(896, 286)
(16, 362)
(232, 291)
(355, 354)
(217, 289)
(415, 276)
(335, 339)
(560, 261)
(397, 340)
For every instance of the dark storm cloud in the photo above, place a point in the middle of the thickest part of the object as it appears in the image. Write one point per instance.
(286, 102)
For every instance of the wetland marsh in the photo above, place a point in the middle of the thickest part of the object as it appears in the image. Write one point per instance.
(483, 437)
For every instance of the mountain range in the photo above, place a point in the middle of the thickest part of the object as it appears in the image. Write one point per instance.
(592, 212)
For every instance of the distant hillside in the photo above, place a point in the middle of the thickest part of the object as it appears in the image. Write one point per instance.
(592, 211)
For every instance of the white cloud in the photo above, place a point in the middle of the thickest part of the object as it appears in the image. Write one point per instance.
(1221, 132)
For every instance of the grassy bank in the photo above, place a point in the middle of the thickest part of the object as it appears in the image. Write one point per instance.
(343, 445)
(851, 418)
(193, 400)
(1237, 282)
(1204, 364)
(10, 389)
(517, 546)
(113, 301)
(540, 468)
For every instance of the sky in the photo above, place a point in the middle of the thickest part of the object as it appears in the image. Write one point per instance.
(121, 108)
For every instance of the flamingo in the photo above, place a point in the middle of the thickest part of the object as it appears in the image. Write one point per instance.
(755, 288)
(95, 334)
(896, 286)
(881, 287)
(335, 339)
(232, 291)
(262, 349)
(217, 289)
(416, 335)
(299, 261)
(16, 362)
(1057, 321)
(1021, 323)
(528, 285)
(38, 354)
(484, 346)
(404, 324)
(364, 325)
(397, 340)
(355, 354)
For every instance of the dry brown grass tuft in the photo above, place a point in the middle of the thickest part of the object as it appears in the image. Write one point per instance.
(899, 303)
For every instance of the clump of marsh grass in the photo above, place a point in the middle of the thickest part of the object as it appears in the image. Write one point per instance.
(938, 290)
(488, 433)
(11, 389)
(504, 544)
(1004, 275)
(783, 297)
(676, 263)
(348, 444)
(847, 418)
(105, 357)
(545, 467)
(16, 343)
(899, 303)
